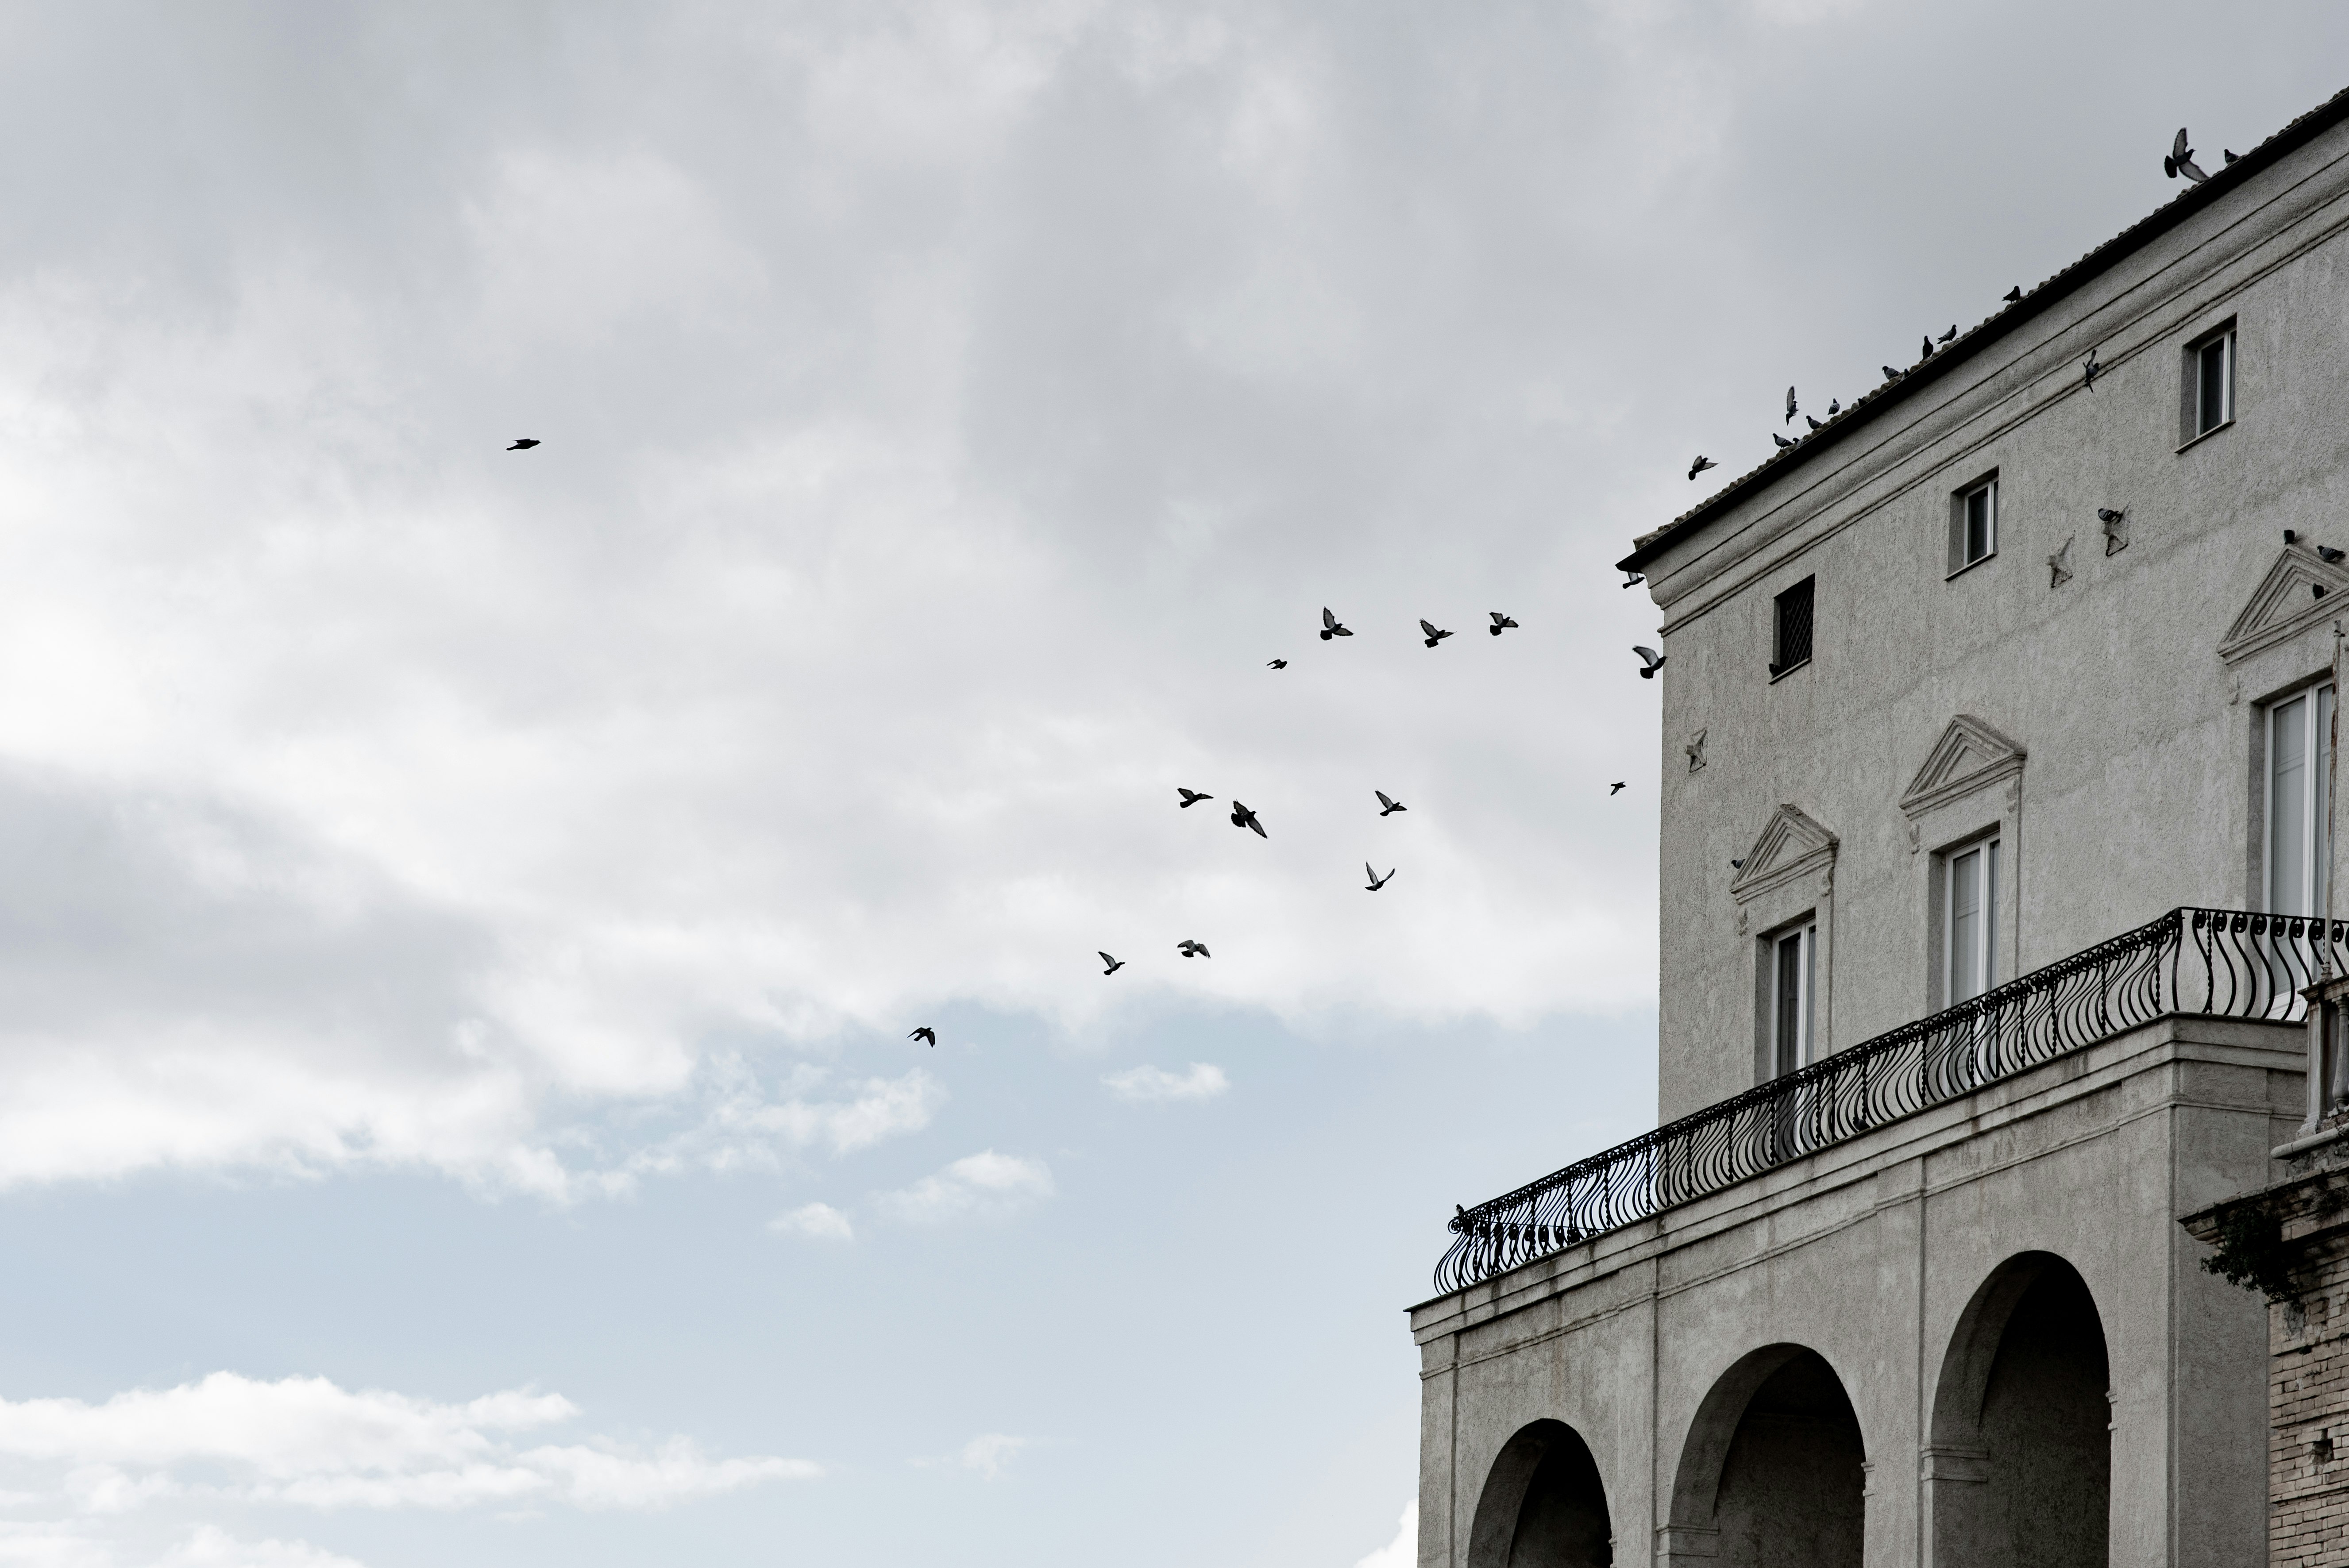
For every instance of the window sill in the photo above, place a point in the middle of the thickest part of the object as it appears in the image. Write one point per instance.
(1790, 669)
(1969, 566)
(2222, 425)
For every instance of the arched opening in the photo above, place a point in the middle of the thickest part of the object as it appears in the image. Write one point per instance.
(1775, 1470)
(1543, 1505)
(2019, 1473)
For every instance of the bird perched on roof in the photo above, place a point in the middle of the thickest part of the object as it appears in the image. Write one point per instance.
(1890, 374)
(1696, 468)
(2014, 294)
(1115, 964)
(526, 444)
(2227, 155)
(1952, 333)
(1790, 405)
(1615, 789)
(1244, 818)
(1191, 796)
(1277, 665)
(1783, 442)
(1330, 627)
(1654, 661)
(1190, 949)
(1388, 806)
(1835, 406)
(1377, 882)
(1813, 424)
(2330, 556)
(1500, 622)
(1929, 347)
(925, 1034)
(2182, 161)
(1632, 579)
(2289, 537)
(1434, 637)
(2093, 371)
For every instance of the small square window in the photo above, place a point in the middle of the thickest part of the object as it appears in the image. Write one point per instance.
(1791, 638)
(2211, 364)
(1973, 524)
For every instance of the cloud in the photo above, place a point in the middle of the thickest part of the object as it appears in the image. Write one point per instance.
(987, 1454)
(1144, 1085)
(817, 1221)
(307, 1442)
(209, 1546)
(1402, 1552)
(984, 1184)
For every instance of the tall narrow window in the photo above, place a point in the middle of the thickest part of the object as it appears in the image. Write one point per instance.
(1791, 635)
(2214, 383)
(2299, 735)
(1794, 975)
(1971, 923)
(1973, 524)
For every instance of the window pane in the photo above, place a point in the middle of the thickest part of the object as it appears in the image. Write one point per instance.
(1990, 916)
(1978, 525)
(1790, 1002)
(2213, 398)
(2320, 786)
(2288, 813)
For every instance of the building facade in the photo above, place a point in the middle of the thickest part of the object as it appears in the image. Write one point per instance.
(1995, 854)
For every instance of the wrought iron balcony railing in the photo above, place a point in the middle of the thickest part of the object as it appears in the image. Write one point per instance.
(2224, 962)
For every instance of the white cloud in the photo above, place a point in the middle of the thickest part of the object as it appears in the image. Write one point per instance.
(209, 1546)
(1142, 1085)
(982, 1184)
(1402, 1552)
(987, 1454)
(817, 1221)
(307, 1442)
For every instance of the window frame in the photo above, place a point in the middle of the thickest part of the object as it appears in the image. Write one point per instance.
(2191, 409)
(1961, 500)
(1779, 666)
(1804, 934)
(1985, 978)
(2314, 855)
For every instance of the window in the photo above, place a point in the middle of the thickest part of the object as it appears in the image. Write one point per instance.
(2299, 735)
(2210, 395)
(1791, 638)
(1973, 524)
(1794, 980)
(1969, 924)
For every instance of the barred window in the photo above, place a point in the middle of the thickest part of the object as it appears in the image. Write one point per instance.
(1791, 644)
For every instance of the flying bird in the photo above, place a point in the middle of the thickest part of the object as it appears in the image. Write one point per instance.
(1632, 579)
(1190, 949)
(924, 1033)
(1655, 661)
(1278, 664)
(1191, 796)
(1615, 789)
(523, 444)
(1791, 410)
(1500, 622)
(1952, 333)
(1377, 882)
(1813, 424)
(2182, 161)
(1388, 806)
(1115, 964)
(1434, 637)
(2014, 294)
(2093, 371)
(1330, 627)
(1783, 442)
(1244, 818)
(1696, 468)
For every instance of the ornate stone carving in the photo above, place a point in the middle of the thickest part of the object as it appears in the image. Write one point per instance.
(2283, 606)
(1970, 756)
(1791, 846)
(1696, 749)
(2059, 566)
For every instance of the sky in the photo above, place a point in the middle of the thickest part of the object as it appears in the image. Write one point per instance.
(465, 908)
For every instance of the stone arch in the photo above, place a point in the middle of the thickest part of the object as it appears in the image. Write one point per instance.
(1773, 1473)
(1543, 1505)
(2018, 1469)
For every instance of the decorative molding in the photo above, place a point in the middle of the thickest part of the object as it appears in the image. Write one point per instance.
(1916, 836)
(1791, 846)
(1696, 749)
(2284, 604)
(1970, 756)
(2059, 566)
(1947, 1461)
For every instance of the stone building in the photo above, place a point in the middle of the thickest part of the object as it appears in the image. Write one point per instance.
(1995, 840)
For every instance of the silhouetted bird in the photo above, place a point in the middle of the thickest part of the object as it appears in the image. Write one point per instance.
(2182, 161)
(1890, 374)
(2289, 537)
(1434, 637)
(1244, 818)
(1813, 424)
(524, 444)
(1115, 964)
(1388, 805)
(1791, 410)
(1500, 622)
(1654, 660)
(1377, 882)
(1696, 468)
(1929, 347)
(2014, 294)
(2227, 155)
(1191, 796)
(1952, 333)
(1615, 789)
(924, 1033)
(2331, 555)
(1834, 408)
(1737, 865)
(1783, 442)
(1330, 627)
(1632, 579)
(1190, 949)
(1278, 664)
(2093, 371)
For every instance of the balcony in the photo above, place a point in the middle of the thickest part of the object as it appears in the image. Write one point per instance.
(2214, 962)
